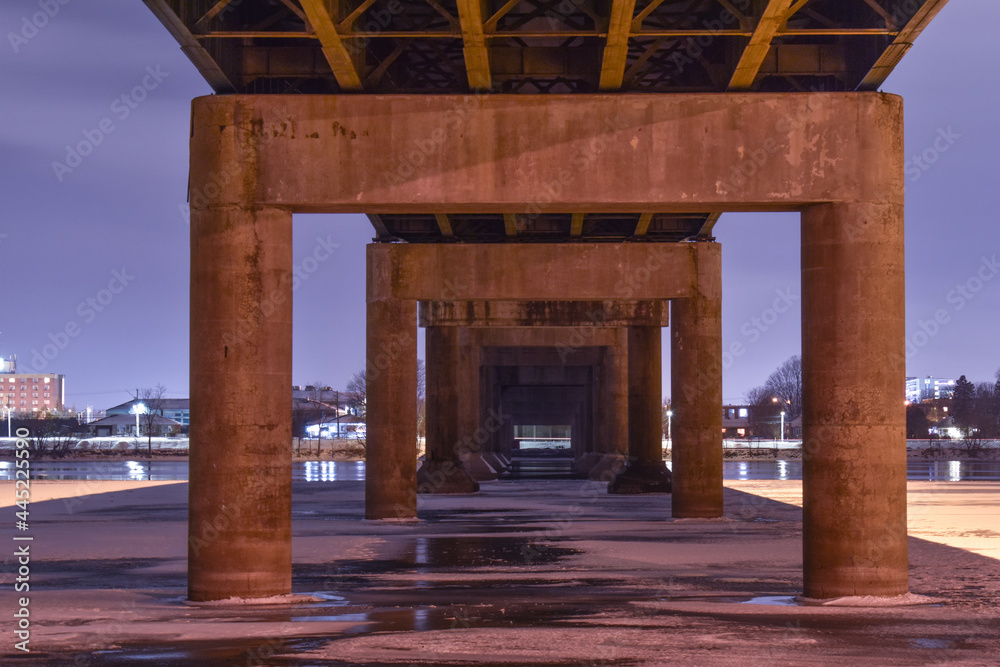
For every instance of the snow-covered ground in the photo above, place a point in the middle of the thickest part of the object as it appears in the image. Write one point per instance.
(531, 572)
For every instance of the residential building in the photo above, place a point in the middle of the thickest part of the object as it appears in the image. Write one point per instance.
(177, 409)
(125, 424)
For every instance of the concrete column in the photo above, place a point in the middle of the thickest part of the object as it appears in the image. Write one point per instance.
(239, 508)
(853, 362)
(612, 411)
(696, 399)
(391, 462)
(645, 471)
(442, 470)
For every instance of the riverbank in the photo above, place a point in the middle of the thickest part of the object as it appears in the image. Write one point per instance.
(729, 454)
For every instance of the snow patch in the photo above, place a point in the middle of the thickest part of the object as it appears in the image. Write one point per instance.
(872, 601)
(289, 598)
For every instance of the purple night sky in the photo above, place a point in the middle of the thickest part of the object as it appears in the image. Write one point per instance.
(100, 249)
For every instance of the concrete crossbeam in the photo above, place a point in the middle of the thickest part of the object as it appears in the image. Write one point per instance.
(589, 314)
(554, 153)
(556, 272)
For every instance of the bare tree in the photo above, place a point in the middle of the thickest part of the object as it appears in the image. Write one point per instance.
(785, 384)
(357, 394)
(152, 398)
(421, 398)
(762, 413)
(986, 409)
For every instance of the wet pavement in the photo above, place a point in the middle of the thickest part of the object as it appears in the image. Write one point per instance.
(522, 468)
(534, 572)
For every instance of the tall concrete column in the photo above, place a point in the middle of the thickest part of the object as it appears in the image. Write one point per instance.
(239, 507)
(442, 470)
(696, 400)
(391, 375)
(645, 471)
(853, 365)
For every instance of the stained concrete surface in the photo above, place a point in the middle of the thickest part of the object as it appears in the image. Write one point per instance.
(535, 572)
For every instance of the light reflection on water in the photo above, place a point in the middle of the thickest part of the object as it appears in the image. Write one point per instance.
(354, 471)
(934, 471)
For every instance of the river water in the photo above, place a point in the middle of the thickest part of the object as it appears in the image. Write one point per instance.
(347, 471)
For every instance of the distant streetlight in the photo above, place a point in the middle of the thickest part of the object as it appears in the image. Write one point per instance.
(138, 409)
(670, 414)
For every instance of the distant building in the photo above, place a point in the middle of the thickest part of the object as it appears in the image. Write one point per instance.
(736, 421)
(124, 424)
(32, 392)
(177, 409)
(929, 388)
(317, 406)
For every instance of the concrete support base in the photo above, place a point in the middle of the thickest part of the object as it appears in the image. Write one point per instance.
(477, 467)
(642, 477)
(493, 460)
(447, 476)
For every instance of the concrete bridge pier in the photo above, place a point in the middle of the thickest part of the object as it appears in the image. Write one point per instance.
(240, 514)
(853, 365)
(645, 472)
(391, 459)
(696, 395)
(442, 470)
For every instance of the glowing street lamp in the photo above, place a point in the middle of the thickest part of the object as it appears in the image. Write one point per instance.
(138, 409)
(670, 414)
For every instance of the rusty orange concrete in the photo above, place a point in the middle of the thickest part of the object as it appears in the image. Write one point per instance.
(836, 156)
(241, 376)
(853, 364)
(557, 153)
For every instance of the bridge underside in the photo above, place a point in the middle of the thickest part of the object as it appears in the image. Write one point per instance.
(836, 157)
(544, 46)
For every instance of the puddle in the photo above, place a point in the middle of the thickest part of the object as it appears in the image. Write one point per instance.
(773, 600)
(924, 642)
(203, 654)
(430, 554)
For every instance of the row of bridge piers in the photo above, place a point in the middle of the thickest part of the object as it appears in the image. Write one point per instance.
(498, 315)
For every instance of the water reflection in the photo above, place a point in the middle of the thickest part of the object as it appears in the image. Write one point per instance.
(328, 471)
(354, 471)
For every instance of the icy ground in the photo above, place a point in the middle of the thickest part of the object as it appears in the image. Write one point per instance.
(525, 573)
